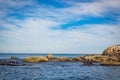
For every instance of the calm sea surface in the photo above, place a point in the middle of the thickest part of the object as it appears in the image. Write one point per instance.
(23, 55)
(57, 70)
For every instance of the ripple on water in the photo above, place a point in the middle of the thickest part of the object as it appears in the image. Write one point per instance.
(59, 71)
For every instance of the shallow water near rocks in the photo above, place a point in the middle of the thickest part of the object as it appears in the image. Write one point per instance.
(59, 71)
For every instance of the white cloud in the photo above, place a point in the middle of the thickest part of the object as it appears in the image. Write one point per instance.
(75, 11)
(8, 6)
(35, 33)
(96, 8)
(15, 3)
(37, 36)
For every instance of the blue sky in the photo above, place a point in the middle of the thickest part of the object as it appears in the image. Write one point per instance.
(59, 26)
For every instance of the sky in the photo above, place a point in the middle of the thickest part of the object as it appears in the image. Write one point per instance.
(59, 26)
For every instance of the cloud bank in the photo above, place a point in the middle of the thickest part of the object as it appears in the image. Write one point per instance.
(38, 27)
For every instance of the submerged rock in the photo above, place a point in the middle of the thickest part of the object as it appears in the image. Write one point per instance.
(36, 59)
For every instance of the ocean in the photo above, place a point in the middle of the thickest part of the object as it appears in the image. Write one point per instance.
(23, 55)
(57, 70)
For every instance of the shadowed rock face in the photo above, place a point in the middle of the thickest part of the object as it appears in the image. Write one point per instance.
(10, 62)
(112, 51)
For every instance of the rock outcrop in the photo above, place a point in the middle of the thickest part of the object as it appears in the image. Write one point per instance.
(110, 63)
(113, 54)
(12, 63)
(112, 51)
(110, 57)
(50, 56)
(78, 58)
(64, 59)
(36, 59)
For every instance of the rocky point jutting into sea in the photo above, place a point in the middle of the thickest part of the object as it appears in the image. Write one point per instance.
(109, 57)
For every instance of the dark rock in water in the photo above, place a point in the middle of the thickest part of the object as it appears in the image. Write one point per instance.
(87, 62)
(12, 63)
(14, 57)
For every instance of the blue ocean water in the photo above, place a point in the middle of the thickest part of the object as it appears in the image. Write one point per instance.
(23, 55)
(58, 71)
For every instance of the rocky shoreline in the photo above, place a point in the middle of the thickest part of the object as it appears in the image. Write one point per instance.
(110, 57)
(87, 60)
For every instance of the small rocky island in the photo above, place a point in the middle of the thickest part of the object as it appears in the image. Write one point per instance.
(109, 57)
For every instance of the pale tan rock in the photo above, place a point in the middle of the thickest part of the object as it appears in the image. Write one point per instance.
(50, 56)
(110, 63)
(36, 59)
(112, 51)
(79, 58)
(64, 59)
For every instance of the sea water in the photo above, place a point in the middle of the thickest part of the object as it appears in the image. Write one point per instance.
(23, 55)
(59, 71)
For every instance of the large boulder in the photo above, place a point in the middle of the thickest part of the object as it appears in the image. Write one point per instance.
(50, 56)
(35, 59)
(112, 51)
(113, 56)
